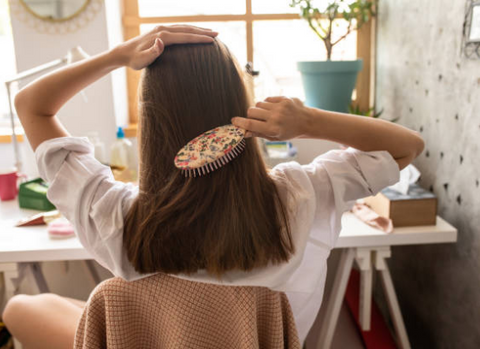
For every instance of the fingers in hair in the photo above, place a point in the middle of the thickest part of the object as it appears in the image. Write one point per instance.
(251, 125)
(275, 99)
(265, 105)
(258, 113)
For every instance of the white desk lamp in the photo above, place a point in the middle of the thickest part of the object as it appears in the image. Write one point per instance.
(74, 55)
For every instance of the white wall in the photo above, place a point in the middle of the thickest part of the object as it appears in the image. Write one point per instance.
(423, 77)
(309, 149)
(98, 114)
(115, 36)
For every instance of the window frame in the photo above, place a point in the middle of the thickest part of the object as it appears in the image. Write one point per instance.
(132, 21)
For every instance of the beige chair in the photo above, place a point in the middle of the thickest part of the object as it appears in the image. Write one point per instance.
(162, 311)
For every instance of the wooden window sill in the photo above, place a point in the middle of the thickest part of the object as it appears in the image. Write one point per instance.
(131, 131)
(6, 135)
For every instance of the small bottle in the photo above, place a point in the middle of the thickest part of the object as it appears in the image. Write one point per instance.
(98, 146)
(122, 159)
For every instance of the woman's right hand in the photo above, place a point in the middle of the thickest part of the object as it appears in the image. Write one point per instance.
(276, 119)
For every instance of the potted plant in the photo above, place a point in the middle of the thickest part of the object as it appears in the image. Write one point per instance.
(329, 84)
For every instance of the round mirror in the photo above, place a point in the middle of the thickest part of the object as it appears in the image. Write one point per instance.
(55, 10)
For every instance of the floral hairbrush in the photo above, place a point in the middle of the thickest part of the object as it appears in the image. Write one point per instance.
(211, 150)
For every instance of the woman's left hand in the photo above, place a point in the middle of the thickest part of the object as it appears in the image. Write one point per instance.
(141, 51)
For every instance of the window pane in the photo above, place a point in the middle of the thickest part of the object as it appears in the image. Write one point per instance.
(168, 8)
(233, 34)
(7, 59)
(279, 45)
(273, 6)
(283, 6)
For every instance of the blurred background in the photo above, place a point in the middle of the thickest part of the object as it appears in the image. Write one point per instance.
(420, 68)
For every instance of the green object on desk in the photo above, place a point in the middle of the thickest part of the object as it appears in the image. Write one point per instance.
(33, 195)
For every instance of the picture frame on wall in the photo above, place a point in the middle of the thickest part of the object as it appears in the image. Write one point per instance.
(471, 30)
(474, 21)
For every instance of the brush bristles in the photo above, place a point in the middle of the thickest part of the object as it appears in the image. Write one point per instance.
(215, 165)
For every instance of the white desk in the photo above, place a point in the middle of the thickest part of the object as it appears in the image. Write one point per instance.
(32, 244)
(23, 248)
(370, 247)
(365, 245)
(357, 234)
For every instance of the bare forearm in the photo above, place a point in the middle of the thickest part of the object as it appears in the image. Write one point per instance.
(39, 101)
(45, 96)
(364, 133)
(282, 118)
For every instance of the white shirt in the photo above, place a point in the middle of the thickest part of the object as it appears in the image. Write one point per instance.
(85, 192)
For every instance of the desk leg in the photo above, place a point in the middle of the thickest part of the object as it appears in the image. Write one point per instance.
(36, 269)
(10, 275)
(364, 261)
(382, 267)
(335, 300)
(92, 272)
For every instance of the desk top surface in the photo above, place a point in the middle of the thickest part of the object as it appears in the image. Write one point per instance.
(27, 244)
(355, 233)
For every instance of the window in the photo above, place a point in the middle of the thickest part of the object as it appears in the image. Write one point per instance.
(7, 60)
(268, 33)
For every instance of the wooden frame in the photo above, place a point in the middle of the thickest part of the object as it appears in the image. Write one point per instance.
(6, 136)
(132, 22)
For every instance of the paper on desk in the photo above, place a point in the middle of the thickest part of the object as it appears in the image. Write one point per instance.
(39, 218)
(408, 175)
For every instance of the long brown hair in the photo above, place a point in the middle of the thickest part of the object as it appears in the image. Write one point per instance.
(231, 219)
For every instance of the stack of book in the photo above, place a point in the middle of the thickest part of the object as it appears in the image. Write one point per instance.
(417, 207)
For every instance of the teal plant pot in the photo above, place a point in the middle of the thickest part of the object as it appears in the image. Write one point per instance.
(329, 84)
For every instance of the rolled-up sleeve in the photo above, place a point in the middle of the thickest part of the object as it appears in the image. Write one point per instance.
(85, 192)
(338, 178)
(354, 174)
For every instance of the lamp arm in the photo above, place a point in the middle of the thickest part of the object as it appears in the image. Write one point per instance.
(74, 55)
(18, 162)
(37, 70)
(19, 77)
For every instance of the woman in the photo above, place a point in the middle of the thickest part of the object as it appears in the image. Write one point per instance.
(241, 224)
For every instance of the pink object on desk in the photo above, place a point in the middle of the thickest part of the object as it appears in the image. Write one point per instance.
(60, 229)
(367, 215)
(8, 184)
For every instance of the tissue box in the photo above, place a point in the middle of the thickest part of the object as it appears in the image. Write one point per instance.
(418, 207)
(33, 195)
